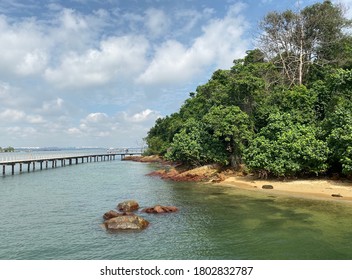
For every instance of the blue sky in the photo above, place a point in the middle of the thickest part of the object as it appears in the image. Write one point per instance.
(99, 73)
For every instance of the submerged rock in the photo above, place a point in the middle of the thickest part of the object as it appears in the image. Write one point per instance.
(336, 195)
(128, 206)
(157, 209)
(126, 222)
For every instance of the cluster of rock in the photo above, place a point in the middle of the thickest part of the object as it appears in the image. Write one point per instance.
(127, 220)
(200, 174)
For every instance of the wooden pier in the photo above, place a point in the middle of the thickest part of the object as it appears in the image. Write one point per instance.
(51, 161)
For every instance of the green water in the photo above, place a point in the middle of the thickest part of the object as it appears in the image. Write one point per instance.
(56, 214)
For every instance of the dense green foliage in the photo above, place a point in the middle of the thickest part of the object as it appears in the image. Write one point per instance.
(280, 111)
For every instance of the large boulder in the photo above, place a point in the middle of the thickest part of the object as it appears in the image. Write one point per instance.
(126, 222)
(157, 209)
(128, 206)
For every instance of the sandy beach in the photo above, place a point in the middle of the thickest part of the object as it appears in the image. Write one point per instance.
(334, 190)
(313, 188)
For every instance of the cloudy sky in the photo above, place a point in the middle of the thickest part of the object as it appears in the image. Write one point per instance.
(100, 72)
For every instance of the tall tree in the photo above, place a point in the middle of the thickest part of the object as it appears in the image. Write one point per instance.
(295, 40)
(231, 126)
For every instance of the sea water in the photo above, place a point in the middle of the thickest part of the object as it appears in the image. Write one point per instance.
(57, 214)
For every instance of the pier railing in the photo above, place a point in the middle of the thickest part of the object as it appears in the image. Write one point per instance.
(57, 159)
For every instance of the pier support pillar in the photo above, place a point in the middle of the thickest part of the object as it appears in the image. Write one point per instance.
(33, 165)
(3, 169)
(13, 169)
(28, 166)
(20, 167)
(41, 165)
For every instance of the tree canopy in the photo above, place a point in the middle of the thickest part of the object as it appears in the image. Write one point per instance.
(284, 109)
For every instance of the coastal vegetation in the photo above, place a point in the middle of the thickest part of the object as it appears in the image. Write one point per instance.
(285, 109)
(7, 150)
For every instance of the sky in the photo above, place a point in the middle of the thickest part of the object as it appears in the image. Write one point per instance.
(98, 73)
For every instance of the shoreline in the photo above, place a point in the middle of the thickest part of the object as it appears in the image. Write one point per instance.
(322, 189)
(319, 188)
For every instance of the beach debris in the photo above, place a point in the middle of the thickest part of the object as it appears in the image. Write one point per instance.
(157, 209)
(267, 187)
(128, 206)
(126, 222)
(336, 195)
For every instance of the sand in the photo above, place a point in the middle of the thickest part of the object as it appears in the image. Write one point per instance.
(334, 190)
(313, 188)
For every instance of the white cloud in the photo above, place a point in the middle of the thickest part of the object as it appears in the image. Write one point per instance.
(23, 47)
(117, 57)
(100, 125)
(11, 115)
(74, 131)
(220, 43)
(83, 72)
(4, 89)
(157, 22)
(96, 117)
(52, 106)
(142, 116)
(35, 119)
(21, 132)
(72, 21)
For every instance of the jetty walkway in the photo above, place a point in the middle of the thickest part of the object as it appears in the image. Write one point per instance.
(35, 161)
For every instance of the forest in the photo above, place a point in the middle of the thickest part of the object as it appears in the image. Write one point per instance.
(285, 109)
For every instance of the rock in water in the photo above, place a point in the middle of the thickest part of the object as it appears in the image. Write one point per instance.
(267, 187)
(128, 206)
(157, 209)
(111, 214)
(126, 223)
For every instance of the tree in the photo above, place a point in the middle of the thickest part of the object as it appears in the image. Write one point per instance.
(294, 41)
(231, 126)
(194, 146)
(7, 150)
(161, 134)
(338, 128)
(286, 148)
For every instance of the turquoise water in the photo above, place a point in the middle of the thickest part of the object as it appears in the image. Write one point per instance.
(56, 214)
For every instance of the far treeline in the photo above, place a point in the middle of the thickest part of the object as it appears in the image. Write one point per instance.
(7, 150)
(285, 109)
